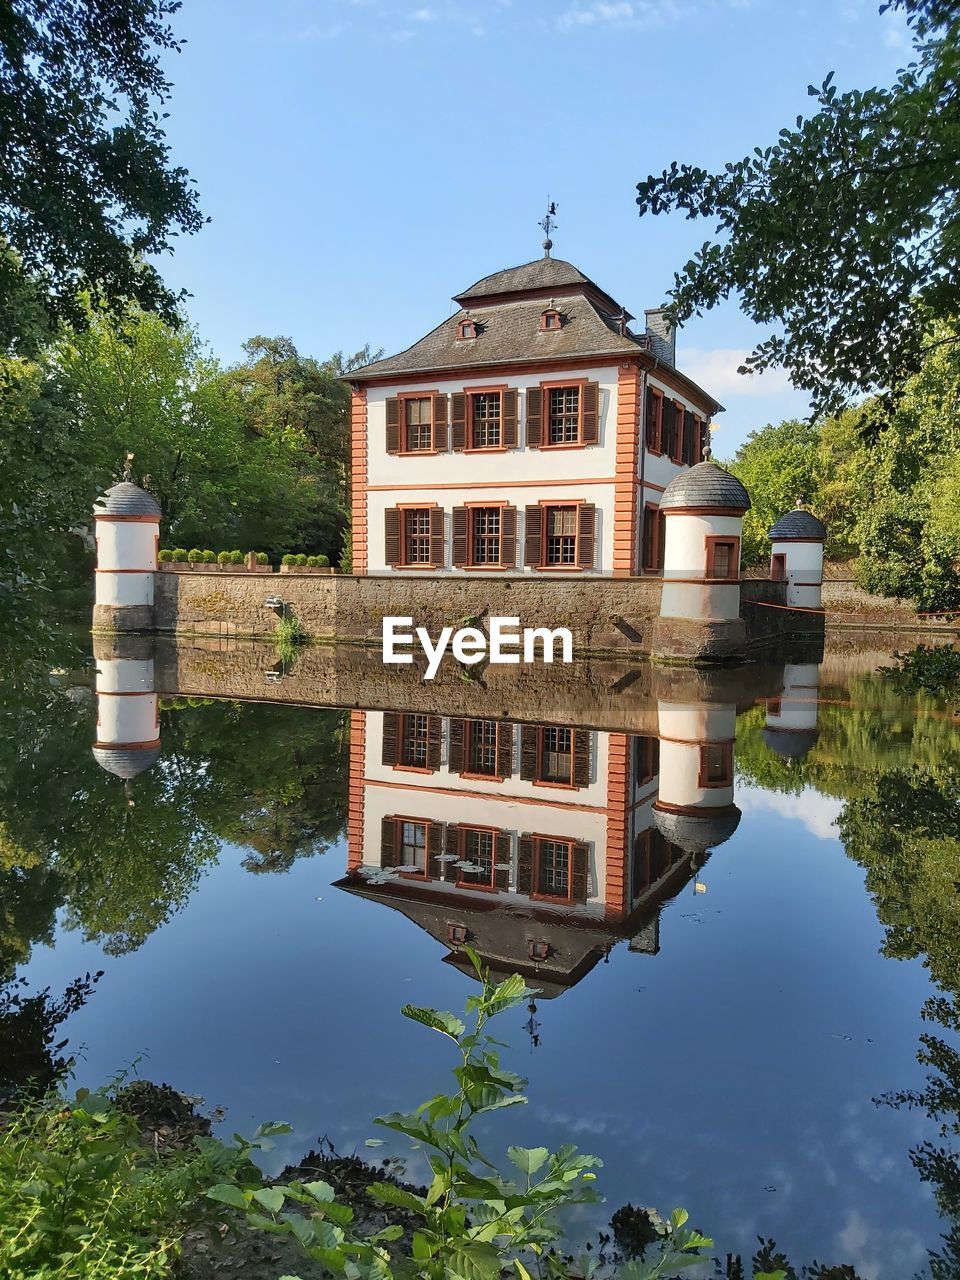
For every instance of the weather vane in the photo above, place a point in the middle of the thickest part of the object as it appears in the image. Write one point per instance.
(548, 223)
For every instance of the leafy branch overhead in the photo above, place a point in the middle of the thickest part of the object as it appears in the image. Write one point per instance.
(842, 237)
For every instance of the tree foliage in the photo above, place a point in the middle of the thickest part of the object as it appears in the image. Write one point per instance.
(87, 189)
(842, 237)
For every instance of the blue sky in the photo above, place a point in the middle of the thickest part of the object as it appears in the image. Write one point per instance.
(362, 160)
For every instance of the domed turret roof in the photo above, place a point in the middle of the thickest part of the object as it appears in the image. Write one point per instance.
(126, 499)
(799, 524)
(126, 762)
(705, 485)
(697, 832)
(791, 744)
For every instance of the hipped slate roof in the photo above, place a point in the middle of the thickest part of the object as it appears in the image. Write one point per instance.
(696, 832)
(126, 499)
(506, 307)
(799, 524)
(126, 762)
(705, 485)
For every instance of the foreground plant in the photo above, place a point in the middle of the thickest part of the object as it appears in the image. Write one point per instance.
(471, 1222)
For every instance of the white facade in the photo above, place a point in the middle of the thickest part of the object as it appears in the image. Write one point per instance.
(126, 560)
(127, 705)
(803, 568)
(689, 590)
(696, 755)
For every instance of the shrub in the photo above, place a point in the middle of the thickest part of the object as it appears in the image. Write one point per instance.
(346, 555)
(223, 557)
(323, 561)
(301, 560)
(209, 557)
(262, 558)
(180, 555)
(165, 556)
(195, 555)
(289, 558)
(313, 562)
(236, 557)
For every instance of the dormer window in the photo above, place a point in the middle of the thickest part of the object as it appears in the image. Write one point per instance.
(466, 329)
(549, 320)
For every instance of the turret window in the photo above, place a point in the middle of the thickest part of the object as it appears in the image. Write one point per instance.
(723, 559)
(716, 764)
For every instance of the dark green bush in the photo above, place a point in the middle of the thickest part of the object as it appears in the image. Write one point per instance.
(223, 557)
(165, 556)
(195, 555)
(236, 557)
(209, 557)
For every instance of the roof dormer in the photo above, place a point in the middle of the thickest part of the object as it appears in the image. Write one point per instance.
(550, 320)
(466, 329)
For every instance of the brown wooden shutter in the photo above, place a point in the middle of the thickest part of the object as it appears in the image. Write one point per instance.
(459, 536)
(436, 536)
(581, 758)
(508, 537)
(590, 413)
(434, 738)
(458, 421)
(440, 441)
(455, 753)
(525, 864)
(504, 750)
(453, 839)
(677, 431)
(534, 417)
(587, 518)
(389, 851)
(501, 871)
(689, 438)
(391, 536)
(653, 421)
(528, 752)
(579, 872)
(393, 424)
(391, 734)
(434, 849)
(508, 418)
(533, 536)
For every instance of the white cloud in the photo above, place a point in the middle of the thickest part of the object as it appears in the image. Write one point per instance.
(716, 370)
(615, 13)
(424, 15)
(817, 813)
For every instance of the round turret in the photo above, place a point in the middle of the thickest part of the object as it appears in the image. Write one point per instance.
(128, 532)
(796, 556)
(705, 486)
(798, 524)
(126, 499)
(126, 762)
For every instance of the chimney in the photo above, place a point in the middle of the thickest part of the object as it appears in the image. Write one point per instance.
(663, 338)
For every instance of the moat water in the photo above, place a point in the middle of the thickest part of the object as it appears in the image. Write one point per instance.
(734, 983)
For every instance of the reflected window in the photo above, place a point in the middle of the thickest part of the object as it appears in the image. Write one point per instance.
(413, 846)
(482, 748)
(478, 847)
(554, 878)
(414, 741)
(646, 759)
(716, 764)
(556, 755)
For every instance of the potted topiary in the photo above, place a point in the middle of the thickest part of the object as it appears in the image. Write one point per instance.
(223, 559)
(180, 556)
(195, 557)
(165, 558)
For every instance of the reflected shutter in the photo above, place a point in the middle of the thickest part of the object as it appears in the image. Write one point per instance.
(459, 536)
(579, 872)
(581, 757)
(393, 424)
(508, 418)
(389, 852)
(434, 738)
(528, 752)
(525, 864)
(502, 868)
(434, 849)
(533, 536)
(504, 750)
(458, 421)
(590, 413)
(436, 537)
(453, 840)
(391, 733)
(391, 536)
(440, 442)
(587, 519)
(508, 537)
(534, 417)
(689, 437)
(455, 753)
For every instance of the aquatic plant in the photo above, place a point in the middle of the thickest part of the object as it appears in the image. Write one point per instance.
(288, 637)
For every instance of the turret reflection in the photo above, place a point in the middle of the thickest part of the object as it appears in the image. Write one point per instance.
(128, 708)
(791, 721)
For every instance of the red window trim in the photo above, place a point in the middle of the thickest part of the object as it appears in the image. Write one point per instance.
(677, 455)
(469, 393)
(427, 824)
(711, 542)
(655, 449)
(412, 506)
(462, 830)
(537, 781)
(536, 894)
(399, 766)
(402, 398)
(463, 326)
(469, 722)
(778, 566)
(703, 776)
(559, 384)
(654, 508)
(473, 506)
(550, 328)
(544, 504)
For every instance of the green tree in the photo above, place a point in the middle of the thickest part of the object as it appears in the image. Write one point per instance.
(841, 237)
(87, 189)
(778, 466)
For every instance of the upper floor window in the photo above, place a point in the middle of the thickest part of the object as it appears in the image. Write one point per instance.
(553, 867)
(486, 853)
(550, 319)
(418, 424)
(485, 420)
(410, 845)
(653, 419)
(466, 329)
(561, 415)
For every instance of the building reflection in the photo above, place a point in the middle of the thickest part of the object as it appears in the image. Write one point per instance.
(790, 728)
(540, 846)
(128, 708)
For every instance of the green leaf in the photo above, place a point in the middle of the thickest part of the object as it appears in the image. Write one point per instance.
(228, 1193)
(473, 1262)
(271, 1198)
(319, 1190)
(446, 1023)
(423, 1249)
(507, 994)
(390, 1193)
(393, 1232)
(272, 1129)
(528, 1159)
(302, 1228)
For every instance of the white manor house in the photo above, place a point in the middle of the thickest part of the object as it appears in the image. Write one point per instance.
(532, 432)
